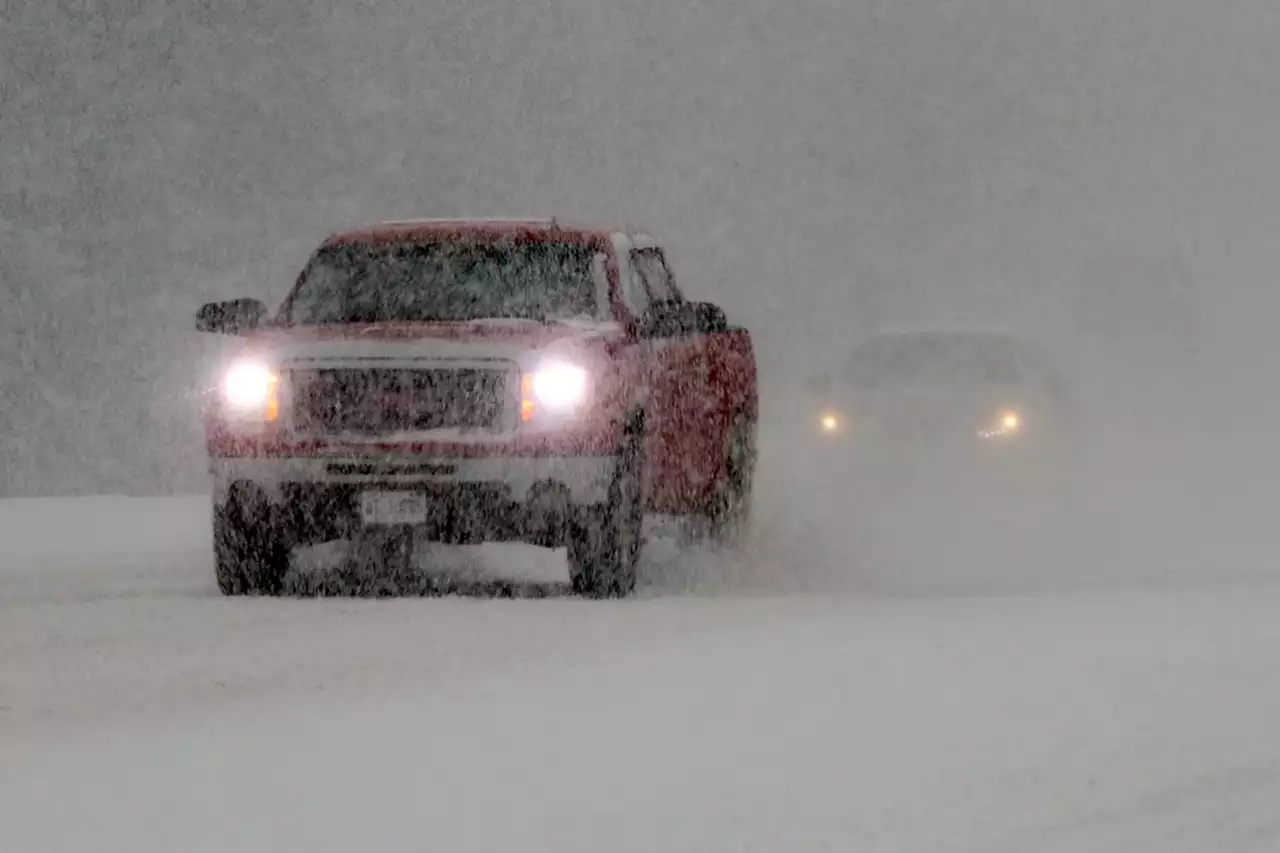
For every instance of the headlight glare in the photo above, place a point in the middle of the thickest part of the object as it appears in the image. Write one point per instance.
(251, 387)
(1006, 424)
(556, 387)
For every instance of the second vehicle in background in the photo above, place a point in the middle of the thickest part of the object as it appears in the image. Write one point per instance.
(950, 401)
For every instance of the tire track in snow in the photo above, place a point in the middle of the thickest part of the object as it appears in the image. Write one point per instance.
(1221, 809)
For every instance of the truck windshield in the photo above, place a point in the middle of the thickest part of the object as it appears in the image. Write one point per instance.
(444, 282)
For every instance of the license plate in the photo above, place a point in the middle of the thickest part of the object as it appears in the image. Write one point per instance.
(378, 508)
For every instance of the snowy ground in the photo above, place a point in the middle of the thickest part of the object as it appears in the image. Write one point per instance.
(139, 710)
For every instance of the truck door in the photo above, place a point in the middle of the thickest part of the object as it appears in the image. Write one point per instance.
(684, 443)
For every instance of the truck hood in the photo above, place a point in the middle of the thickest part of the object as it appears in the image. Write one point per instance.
(485, 338)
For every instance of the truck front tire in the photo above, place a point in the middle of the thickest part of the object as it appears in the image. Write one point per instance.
(249, 553)
(604, 547)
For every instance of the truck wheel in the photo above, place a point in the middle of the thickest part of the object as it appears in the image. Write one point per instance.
(249, 554)
(605, 547)
(727, 517)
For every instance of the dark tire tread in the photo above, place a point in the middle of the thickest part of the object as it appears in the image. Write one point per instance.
(604, 548)
(249, 555)
(726, 519)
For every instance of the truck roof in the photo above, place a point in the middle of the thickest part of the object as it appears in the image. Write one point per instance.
(410, 230)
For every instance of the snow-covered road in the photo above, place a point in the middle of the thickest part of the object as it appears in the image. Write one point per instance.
(139, 710)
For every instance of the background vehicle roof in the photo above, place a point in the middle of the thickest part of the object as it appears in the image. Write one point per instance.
(948, 331)
(1005, 338)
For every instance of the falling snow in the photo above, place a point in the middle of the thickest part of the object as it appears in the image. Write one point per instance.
(927, 640)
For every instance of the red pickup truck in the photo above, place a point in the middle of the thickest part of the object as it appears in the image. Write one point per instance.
(472, 381)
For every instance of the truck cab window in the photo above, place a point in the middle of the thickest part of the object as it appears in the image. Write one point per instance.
(634, 292)
(653, 271)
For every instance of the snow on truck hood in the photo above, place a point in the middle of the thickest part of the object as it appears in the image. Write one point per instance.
(497, 338)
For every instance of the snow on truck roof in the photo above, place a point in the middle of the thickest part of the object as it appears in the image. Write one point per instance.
(544, 221)
(491, 228)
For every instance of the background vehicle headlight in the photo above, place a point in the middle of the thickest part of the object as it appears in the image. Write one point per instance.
(251, 387)
(830, 422)
(557, 387)
(1006, 424)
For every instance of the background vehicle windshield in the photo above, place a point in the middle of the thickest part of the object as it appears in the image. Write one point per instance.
(445, 282)
(936, 360)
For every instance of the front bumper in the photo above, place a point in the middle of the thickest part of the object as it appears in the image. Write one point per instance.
(315, 499)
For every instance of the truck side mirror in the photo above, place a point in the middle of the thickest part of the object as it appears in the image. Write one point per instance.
(662, 320)
(709, 318)
(677, 319)
(231, 317)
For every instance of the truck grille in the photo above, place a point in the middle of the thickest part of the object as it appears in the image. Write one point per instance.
(378, 401)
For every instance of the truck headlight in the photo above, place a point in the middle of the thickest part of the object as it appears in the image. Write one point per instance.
(249, 387)
(556, 387)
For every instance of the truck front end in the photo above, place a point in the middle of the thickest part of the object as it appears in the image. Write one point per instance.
(464, 439)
